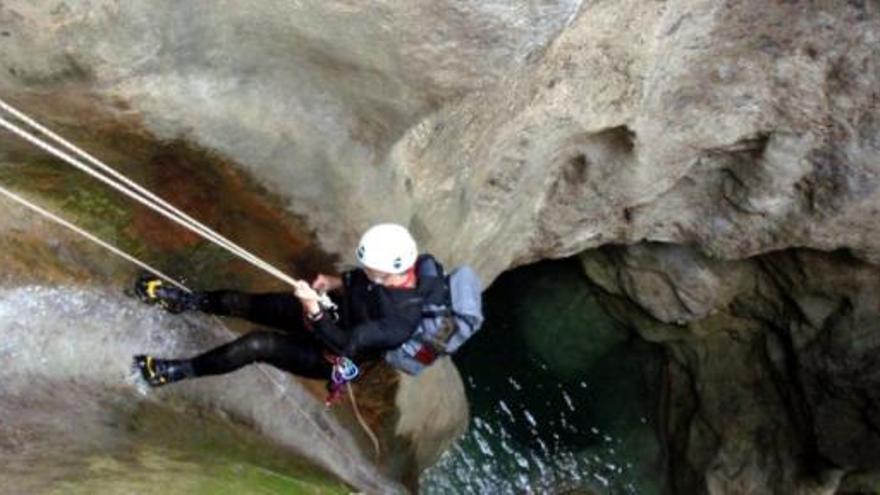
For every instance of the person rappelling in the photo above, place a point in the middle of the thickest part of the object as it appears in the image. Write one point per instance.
(397, 304)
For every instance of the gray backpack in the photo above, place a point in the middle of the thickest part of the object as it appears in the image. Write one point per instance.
(444, 327)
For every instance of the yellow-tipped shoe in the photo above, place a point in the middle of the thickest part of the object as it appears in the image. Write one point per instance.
(158, 372)
(153, 290)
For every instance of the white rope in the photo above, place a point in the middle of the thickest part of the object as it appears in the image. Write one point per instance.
(181, 217)
(203, 232)
(20, 200)
(138, 193)
(363, 422)
(166, 211)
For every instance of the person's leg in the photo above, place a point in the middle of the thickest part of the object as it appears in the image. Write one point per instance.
(278, 310)
(299, 354)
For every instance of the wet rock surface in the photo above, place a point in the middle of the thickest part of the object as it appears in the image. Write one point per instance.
(731, 146)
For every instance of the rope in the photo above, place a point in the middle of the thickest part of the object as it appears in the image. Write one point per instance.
(363, 422)
(131, 189)
(180, 216)
(11, 195)
(167, 212)
(138, 193)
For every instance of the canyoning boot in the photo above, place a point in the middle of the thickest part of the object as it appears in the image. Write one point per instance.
(153, 290)
(158, 372)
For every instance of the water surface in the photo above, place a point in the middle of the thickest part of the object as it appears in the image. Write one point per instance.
(562, 397)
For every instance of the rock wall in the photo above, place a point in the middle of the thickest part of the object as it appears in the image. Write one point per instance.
(309, 96)
(524, 130)
(741, 127)
(506, 132)
(771, 385)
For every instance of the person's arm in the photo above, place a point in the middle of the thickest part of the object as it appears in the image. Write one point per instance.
(370, 336)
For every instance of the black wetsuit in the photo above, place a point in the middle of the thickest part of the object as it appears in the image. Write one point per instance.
(372, 319)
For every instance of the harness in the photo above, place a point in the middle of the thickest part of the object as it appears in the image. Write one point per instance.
(344, 372)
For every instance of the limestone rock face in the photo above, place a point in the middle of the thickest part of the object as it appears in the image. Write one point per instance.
(506, 132)
(740, 127)
(776, 388)
(309, 96)
(502, 132)
(433, 412)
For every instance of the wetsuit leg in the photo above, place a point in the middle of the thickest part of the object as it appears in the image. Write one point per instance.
(277, 310)
(300, 354)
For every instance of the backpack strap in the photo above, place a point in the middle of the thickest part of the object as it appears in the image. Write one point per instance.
(427, 266)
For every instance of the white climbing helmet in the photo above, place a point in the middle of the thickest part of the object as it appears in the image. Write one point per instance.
(387, 247)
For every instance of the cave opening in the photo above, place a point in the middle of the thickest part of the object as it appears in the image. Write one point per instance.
(563, 397)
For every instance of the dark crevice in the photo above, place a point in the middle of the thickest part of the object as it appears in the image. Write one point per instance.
(788, 380)
(678, 401)
(579, 164)
(620, 139)
(735, 192)
(676, 434)
(574, 172)
(739, 165)
(869, 413)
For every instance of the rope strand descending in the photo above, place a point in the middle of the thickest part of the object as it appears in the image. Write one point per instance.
(119, 182)
(51, 216)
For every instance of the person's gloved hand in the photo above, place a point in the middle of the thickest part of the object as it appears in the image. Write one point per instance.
(307, 296)
(303, 291)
